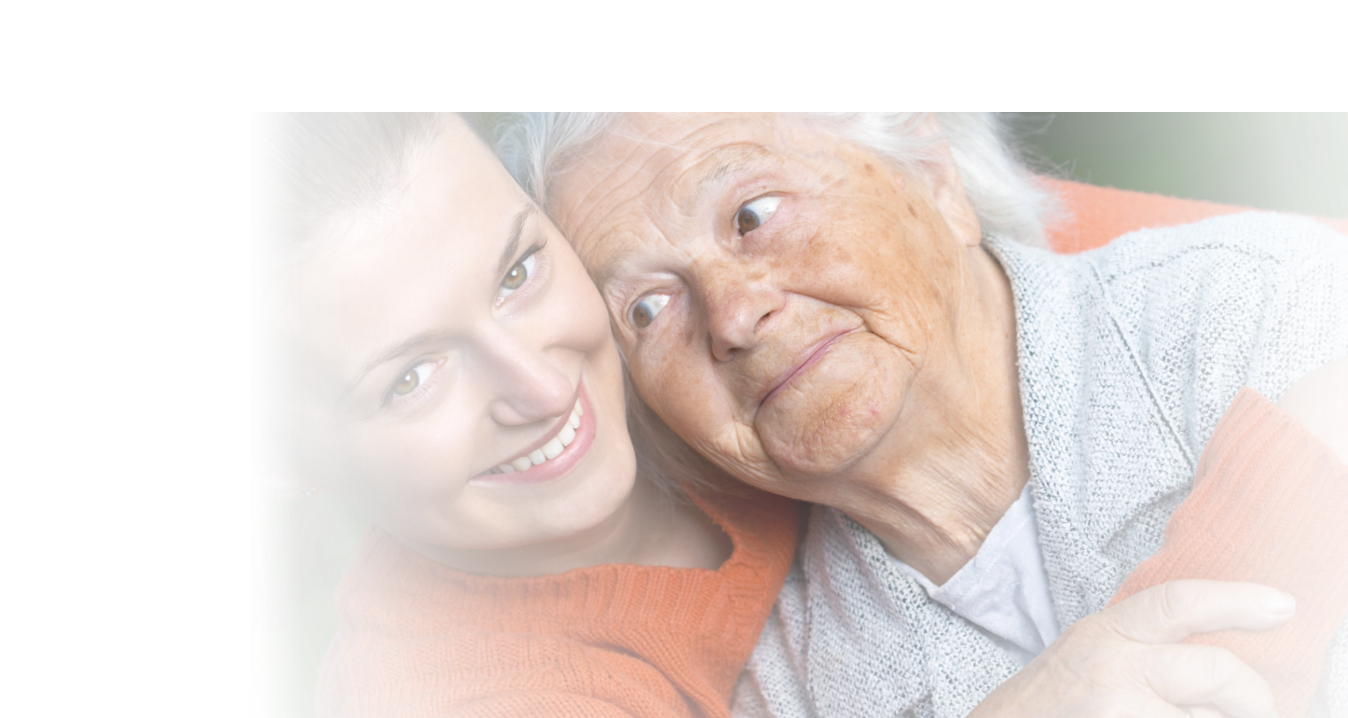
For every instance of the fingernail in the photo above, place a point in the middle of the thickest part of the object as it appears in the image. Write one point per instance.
(1275, 601)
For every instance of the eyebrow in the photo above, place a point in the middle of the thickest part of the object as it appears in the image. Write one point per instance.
(412, 344)
(729, 161)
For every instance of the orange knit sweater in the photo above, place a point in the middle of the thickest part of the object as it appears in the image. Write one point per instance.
(1267, 506)
(419, 639)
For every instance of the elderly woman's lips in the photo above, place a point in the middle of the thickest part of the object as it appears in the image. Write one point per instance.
(809, 358)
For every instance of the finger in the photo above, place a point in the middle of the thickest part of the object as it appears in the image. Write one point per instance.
(1206, 677)
(1174, 610)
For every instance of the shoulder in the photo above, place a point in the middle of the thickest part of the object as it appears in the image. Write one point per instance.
(1238, 272)
(1252, 299)
(611, 639)
(420, 635)
(1250, 239)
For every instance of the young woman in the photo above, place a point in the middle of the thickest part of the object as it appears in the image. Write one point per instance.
(454, 375)
(434, 353)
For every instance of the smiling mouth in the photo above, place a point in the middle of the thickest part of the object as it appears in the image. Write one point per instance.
(812, 357)
(551, 448)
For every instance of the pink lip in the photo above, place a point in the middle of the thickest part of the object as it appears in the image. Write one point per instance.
(562, 463)
(812, 356)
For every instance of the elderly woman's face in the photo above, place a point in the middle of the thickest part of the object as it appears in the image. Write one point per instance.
(782, 296)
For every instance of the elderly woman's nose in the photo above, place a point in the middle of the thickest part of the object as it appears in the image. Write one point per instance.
(738, 310)
(527, 385)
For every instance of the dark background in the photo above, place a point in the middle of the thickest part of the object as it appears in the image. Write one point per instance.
(1288, 162)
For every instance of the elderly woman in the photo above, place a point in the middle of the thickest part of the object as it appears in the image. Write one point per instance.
(850, 310)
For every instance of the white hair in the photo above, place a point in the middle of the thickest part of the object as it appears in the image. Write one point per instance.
(540, 148)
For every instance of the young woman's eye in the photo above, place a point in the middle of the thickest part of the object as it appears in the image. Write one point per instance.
(753, 214)
(645, 310)
(411, 379)
(518, 275)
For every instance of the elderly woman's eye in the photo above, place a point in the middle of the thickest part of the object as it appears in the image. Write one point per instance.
(644, 311)
(517, 276)
(411, 379)
(752, 215)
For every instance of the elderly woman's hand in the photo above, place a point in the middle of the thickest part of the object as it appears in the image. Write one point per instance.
(1127, 659)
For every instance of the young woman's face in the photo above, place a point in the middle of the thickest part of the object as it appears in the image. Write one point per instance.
(461, 379)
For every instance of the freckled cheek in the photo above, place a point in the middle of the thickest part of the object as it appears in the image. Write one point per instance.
(850, 262)
(681, 391)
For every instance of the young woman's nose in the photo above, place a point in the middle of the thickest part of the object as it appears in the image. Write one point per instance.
(528, 384)
(738, 305)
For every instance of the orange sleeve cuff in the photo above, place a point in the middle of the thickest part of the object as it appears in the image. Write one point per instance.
(1270, 505)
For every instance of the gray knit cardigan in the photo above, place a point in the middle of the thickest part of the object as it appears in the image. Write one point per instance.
(1128, 357)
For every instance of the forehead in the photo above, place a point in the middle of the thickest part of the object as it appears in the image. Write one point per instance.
(417, 263)
(657, 166)
(652, 171)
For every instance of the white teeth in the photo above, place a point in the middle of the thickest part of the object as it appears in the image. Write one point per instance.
(551, 449)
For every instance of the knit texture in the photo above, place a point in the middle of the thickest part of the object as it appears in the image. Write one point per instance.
(1269, 506)
(1129, 355)
(419, 639)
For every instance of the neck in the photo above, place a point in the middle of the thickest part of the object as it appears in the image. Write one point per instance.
(962, 453)
(649, 529)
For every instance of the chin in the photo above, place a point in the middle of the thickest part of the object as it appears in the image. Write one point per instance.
(822, 455)
(591, 502)
(821, 439)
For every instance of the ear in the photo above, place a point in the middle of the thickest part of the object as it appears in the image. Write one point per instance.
(947, 190)
(266, 478)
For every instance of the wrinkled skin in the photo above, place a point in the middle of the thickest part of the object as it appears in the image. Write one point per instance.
(909, 418)
(856, 343)
(1128, 660)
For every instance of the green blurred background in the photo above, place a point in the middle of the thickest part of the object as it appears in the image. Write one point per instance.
(1279, 161)
(1288, 162)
